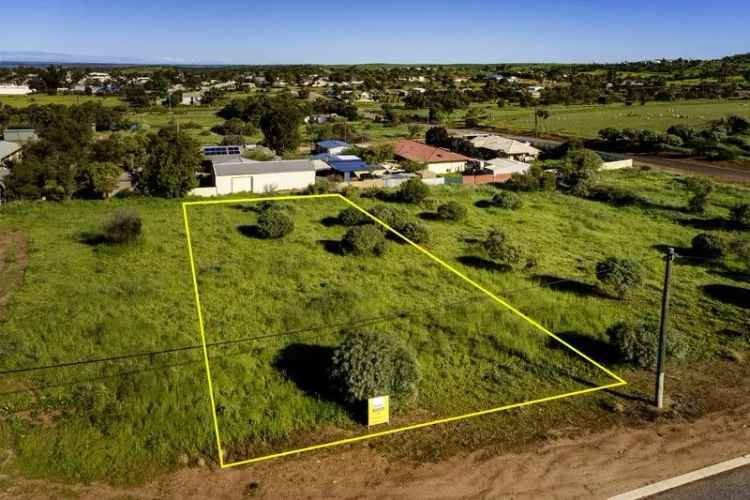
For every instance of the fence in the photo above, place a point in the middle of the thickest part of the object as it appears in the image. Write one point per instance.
(484, 179)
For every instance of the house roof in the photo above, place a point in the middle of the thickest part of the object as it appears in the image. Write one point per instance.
(332, 143)
(504, 145)
(506, 166)
(343, 163)
(8, 148)
(4, 172)
(262, 167)
(416, 151)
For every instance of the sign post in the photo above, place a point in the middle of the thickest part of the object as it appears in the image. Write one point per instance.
(378, 411)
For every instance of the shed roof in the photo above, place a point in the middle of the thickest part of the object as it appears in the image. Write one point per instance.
(416, 151)
(262, 167)
(332, 143)
(507, 166)
(505, 145)
(343, 163)
(8, 148)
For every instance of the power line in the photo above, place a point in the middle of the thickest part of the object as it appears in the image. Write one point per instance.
(334, 327)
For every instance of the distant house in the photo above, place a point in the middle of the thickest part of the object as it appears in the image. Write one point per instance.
(259, 176)
(332, 146)
(506, 148)
(9, 151)
(321, 118)
(191, 98)
(10, 89)
(506, 166)
(344, 164)
(437, 160)
(19, 134)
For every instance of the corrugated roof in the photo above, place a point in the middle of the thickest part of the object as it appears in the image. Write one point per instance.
(507, 166)
(332, 143)
(416, 151)
(262, 167)
(503, 144)
(8, 148)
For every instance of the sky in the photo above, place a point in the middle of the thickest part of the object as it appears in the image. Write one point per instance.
(385, 31)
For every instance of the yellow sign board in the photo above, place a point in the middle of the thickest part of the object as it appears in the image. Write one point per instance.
(378, 411)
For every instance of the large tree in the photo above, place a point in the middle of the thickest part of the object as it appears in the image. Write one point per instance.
(281, 125)
(174, 158)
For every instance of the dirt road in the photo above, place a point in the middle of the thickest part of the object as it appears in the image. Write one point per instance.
(596, 465)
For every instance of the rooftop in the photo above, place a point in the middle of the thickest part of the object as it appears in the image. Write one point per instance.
(8, 148)
(262, 167)
(332, 143)
(416, 151)
(507, 146)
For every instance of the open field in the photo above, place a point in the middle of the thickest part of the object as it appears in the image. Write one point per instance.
(22, 101)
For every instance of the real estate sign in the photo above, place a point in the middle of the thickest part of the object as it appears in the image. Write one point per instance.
(378, 410)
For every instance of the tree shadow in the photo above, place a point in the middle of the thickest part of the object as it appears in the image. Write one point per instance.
(250, 231)
(245, 208)
(728, 294)
(308, 366)
(330, 221)
(483, 204)
(738, 276)
(569, 286)
(331, 246)
(92, 238)
(481, 263)
(704, 224)
(597, 349)
(429, 216)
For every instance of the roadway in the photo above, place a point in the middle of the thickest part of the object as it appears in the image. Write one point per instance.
(730, 485)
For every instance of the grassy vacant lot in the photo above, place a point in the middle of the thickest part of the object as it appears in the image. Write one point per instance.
(22, 101)
(124, 419)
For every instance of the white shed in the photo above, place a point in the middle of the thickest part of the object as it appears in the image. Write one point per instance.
(263, 176)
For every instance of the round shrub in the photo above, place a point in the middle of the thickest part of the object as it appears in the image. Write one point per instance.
(369, 365)
(124, 227)
(638, 343)
(618, 276)
(507, 200)
(363, 240)
(739, 215)
(412, 191)
(352, 217)
(414, 231)
(498, 248)
(274, 223)
(708, 245)
(452, 211)
(391, 216)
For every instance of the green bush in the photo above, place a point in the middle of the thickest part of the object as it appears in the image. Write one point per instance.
(498, 248)
(124, 227)
(452, 210)
(369, 365)
(739, 215)
(507, 200)
(274, 223)
(618, 276)
(613, 195)
(638, 343)
(414, 231)
(700, 188)
(363, 240)
(391, 216)
(708, 245)
(412, 191)
(352, 217)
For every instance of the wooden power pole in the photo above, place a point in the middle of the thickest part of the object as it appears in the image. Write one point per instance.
(661, 354)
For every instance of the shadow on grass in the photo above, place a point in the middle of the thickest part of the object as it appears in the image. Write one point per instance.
(598, 350)
(92, 238)
(330, 221)
(738, 276)
(308, 366)
(429, 216)
(483, 204)
(704, 224)
(251, 231)
(732, 295)
(481, 263)
(569, 286)
(331, 246)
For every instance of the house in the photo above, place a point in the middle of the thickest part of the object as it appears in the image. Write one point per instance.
(9, 151)
(20, 134)
(191, 98)
(10, 89)
(506, 166)
(437, 160)
(344, 164)
(506, 148)
(244, 175)
(321, 118)
(332, 146)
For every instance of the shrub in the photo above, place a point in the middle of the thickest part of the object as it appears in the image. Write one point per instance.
(708, 245)
(412, 191)
(739, 215)
(352, 217)
(368, 365)
(507, 200)
(390, 216)
(274, 223)
(124, 227)
(414, 231)
(614, 195)
(498, 248)
(452, 210)
(700, 189)
(618, 276)
(363, 240)
(638, 343)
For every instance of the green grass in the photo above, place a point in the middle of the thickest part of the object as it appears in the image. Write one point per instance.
(22, 101)
(84, 302)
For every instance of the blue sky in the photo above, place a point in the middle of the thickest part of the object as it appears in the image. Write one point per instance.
(416, 31)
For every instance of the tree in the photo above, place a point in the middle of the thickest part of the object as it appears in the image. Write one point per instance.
(364, 240)
(498, 248)
(413, 130)
(274, 223)
(437, 136)
(708, 246)
(280, 125)
(577, 171)
(638, 342)
(618, 276)
(540, 114)
(174, 158)
(412, 191)
(700, 188)
(739, 215)
(452, 210)
(369, 365)
(507, 200)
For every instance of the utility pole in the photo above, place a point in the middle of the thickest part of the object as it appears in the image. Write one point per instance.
(661, 354)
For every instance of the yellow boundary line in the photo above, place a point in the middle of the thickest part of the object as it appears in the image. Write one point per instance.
(534, 323)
